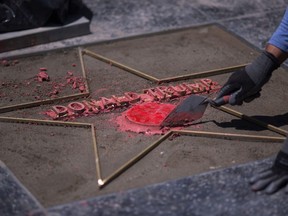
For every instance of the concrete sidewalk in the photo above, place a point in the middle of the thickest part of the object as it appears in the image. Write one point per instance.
(254, 21)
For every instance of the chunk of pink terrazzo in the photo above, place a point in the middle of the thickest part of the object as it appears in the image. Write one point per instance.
(70, 73)
(51, 114)
(82, 88)
(42, 76)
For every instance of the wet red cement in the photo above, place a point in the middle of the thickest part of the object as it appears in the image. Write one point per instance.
(145, 118)
(149, 114)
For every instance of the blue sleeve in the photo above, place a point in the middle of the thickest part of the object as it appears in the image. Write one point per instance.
(280, 36)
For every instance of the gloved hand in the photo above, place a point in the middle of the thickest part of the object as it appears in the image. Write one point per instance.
(274, 178)
(245, 84)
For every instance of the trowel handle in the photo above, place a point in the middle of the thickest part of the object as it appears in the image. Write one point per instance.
(221, 101)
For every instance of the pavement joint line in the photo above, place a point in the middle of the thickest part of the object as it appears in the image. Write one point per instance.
(252, 120)
(10, 108)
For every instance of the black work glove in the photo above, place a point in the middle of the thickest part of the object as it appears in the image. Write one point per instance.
(245, 84)
(274, 178)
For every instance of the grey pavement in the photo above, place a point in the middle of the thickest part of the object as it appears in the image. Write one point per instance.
(253, 21)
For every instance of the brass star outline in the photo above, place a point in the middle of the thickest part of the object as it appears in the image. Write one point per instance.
(104, 181)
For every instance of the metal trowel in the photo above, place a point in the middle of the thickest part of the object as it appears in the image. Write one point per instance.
(191, 109)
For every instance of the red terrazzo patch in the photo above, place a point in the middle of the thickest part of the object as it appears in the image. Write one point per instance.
(145, 118)
(150, 114)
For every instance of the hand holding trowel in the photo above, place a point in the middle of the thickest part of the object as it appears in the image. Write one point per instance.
(191, 109)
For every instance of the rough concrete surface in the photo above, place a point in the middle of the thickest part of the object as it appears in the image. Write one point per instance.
(19, 83)
(56, 174)
(50, 161)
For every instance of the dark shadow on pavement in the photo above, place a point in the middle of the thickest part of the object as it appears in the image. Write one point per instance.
(240, 124)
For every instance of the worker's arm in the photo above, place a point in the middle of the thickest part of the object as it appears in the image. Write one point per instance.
(276, 177)
(246, 84)
(279, 38)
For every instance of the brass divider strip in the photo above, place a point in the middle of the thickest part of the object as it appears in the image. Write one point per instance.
(152, 146)
(44, 122)
(139, 156)
(41, 102)
(134, 160)
(164, 80)
(65, 124)
(244, 137)
(203, 74)
(119, 65)
(80, 53)
(97, 158)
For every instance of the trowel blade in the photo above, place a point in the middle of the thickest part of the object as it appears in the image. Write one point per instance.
(190, 109)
